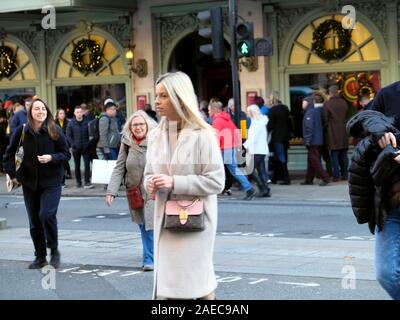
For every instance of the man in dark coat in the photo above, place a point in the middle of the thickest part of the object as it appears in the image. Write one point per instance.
(280, 126)
(313, 139)
(335, 110)
(78, 139)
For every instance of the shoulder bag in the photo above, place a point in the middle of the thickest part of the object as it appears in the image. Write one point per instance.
(184, 215)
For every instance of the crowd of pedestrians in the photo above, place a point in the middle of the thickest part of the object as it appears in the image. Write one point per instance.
(194, 153)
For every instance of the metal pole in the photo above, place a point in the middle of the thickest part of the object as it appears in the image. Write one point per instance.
(234, 62)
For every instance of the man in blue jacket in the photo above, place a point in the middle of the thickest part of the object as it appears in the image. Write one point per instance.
(313, 139)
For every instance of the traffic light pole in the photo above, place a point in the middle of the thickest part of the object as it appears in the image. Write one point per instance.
(234, 62)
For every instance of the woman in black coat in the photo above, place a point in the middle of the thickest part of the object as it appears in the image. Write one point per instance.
(62, 121)
(41, 173)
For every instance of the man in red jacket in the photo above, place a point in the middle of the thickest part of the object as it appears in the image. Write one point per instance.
(229, 140)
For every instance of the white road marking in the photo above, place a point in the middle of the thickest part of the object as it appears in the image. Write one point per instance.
(100, 217)
(300, 284)
(257, 280)
(354, 238)
(131, 273)
(123, 214)
(228, 279)
(76, 220)
(329, 236)
(106, 273)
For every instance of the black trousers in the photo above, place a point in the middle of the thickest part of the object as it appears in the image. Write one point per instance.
(42, 205)
(86, 160)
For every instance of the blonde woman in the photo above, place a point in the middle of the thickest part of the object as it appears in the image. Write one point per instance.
(257, 146)
(183, 163)
(130, 167)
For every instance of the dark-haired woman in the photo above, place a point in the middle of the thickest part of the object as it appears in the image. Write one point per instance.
(40, 174)
(62, 121)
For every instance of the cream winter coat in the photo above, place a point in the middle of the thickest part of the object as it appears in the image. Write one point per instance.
(184, 261)
(130, 164)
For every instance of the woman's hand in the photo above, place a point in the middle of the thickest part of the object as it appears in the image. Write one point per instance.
(163, 181)
(388, 138)
(45, 158)
(151, 187)
(109, 199)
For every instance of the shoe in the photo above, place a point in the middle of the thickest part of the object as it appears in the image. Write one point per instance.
(64, 186)
(55, 259)
(307, 183)
(344, 178)
(335, 179)
(264, 194)
(38, 263)
(285, 183)
(79, 185)
(88, 186)
(148, 267)
(323, 183)
(227, 192)
(250, 194)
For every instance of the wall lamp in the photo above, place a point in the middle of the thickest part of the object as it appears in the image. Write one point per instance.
(140, 68)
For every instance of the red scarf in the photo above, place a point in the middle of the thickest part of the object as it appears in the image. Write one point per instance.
(136, 140)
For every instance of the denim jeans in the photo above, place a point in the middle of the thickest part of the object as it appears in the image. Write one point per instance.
(228, 155)
(280, 152)
(148, 245)
(340, 159)
(387, 254)
(113, 155)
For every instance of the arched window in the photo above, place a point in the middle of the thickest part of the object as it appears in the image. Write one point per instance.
(112, 61)
(363, 45)
(24, 67)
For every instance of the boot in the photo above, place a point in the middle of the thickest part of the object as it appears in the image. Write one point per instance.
(55, 258)
(38, 263)
(285, 173)
(250, 194)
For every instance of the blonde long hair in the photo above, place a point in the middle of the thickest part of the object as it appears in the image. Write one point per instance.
(254, 112)
(151, 124)
(181, 92)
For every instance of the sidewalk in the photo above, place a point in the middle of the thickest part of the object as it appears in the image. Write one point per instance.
(334, 193)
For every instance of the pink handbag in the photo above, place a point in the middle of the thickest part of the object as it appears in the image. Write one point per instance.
(184, 215)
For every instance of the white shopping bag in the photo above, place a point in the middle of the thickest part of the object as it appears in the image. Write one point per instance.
(102, 170)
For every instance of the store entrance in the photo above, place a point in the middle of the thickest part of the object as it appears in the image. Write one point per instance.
(211, 78)
(70, 96)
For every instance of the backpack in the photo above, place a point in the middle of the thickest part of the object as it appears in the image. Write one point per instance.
(93, 128)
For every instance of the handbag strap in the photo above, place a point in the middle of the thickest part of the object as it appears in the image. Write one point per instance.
(21, 139)
(127, 152)
(188, 206)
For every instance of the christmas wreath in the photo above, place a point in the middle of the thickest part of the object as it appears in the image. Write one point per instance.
(94, 56)
(318, 45)
(7, 61)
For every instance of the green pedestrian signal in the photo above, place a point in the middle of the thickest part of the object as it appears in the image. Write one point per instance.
(245, 39)
(244, 48)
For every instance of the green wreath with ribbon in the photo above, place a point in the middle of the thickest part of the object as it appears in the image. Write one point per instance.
(7, 66)
(94, 56)
(318, 44)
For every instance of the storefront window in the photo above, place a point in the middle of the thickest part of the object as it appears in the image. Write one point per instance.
(70, 96)
(352, 86)
(16, 95)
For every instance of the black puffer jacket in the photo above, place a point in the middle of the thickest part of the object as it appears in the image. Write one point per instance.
(372, 170)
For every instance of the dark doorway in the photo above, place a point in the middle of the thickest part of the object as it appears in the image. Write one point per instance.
(211, 78)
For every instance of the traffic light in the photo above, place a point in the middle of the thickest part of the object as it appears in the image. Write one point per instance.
(245, 39)
(211, 27)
